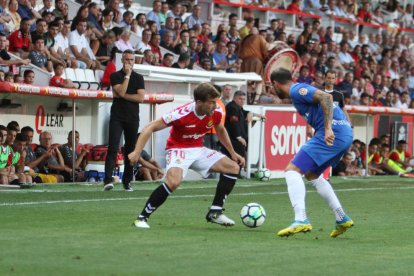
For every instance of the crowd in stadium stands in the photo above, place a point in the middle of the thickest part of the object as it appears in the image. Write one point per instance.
(382, 159)
(373, 70)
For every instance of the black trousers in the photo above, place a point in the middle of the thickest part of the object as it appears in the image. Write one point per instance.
(130, 130)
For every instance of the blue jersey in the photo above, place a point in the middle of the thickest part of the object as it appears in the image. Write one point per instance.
(302, 98)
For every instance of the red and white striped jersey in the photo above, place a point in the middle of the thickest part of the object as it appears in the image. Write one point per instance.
(188, 129)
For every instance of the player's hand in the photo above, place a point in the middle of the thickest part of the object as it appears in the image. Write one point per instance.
(329, 137)
(134, 157)
(128, 69)
(240, 160)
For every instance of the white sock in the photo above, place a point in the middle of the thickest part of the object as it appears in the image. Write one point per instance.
(297, 193)
(324, 188)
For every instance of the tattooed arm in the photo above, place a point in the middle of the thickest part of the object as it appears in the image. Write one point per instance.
(325, 100)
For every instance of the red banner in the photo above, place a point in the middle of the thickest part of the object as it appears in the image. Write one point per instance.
(7, 87)
(285, 133)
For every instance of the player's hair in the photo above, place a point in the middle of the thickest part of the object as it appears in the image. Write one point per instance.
(26, 129)
(13, 125)
(375, 141)
(205, 91)
(385, 146)
(239, 93)
(20, 137)
(402, 142)
(281, 75)
(330, 72)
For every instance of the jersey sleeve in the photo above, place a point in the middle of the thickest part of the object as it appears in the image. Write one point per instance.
(394, 156)
(174, 116)
(302, 93)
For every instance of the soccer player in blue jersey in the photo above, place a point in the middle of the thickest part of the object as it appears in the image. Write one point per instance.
(333, 136)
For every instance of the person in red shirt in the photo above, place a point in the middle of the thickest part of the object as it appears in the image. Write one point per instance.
(184, 150)
(155, 47)
(110, 68)
(364, 14)
(20, 40)
(58, 81)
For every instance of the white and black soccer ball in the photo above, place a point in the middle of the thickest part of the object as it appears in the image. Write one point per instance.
(263, 174)
(253, 215)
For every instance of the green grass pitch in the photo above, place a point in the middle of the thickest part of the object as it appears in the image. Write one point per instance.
(81, 230)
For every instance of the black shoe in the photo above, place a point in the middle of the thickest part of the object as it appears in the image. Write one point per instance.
(127, 187)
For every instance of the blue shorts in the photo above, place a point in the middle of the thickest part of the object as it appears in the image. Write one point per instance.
(316, 156)
(306, 164)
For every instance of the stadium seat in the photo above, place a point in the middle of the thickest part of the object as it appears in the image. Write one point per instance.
(81, 78)
(99, 75)
(70, 74)
(93, 82)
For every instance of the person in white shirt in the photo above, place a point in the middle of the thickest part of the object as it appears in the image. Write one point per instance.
(62, 45)
(78, 45)
(344, 57)
(144, 44)
(142, 24)
(123, 42)
(126, 7)
(127, 18)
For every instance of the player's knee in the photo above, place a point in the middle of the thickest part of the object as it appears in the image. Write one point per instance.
(234, 168)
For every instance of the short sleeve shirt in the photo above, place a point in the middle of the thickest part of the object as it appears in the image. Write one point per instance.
(121, 108)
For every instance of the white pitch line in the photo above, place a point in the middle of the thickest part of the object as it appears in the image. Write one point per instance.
(187, 196)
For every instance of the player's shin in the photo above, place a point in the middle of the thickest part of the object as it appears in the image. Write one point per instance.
(156, 199)
(324, 189)
(224, 187)
(297, 193)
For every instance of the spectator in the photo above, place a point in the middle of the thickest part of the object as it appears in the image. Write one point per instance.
(62, 45)
(194, 18)
(253, 51)
(144, 44)
(123, 42)
(53, 162)
(183, 46)
(154, 14)
(205, 32)
(107, 22)
(40, 31)
(78, 46)
(30, 159)
(176, 11)
(304, 75)
(168, 40)
(60, 9)
(155, 48)
(28, 77)
(15, 19)
(346, 85)
(93, 19)
(220, 56)
(20, 40)
(206, 64)
(345, 58)
(206, 53)
(103, 51)
(405, 99)
(346, 167)
(232, 58)
(148, 58)
(246, 29)
(37, 56)
(167, 60)
(364, 13)
(127, 18)
(47, 6)
(142, 20)
(26, 11)
(127, 5)
(113, 5)
(183, 61)
(109, 69)
(5, 58)
(162, 15)
(57, 79)
(80, 157)
(147, 168)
